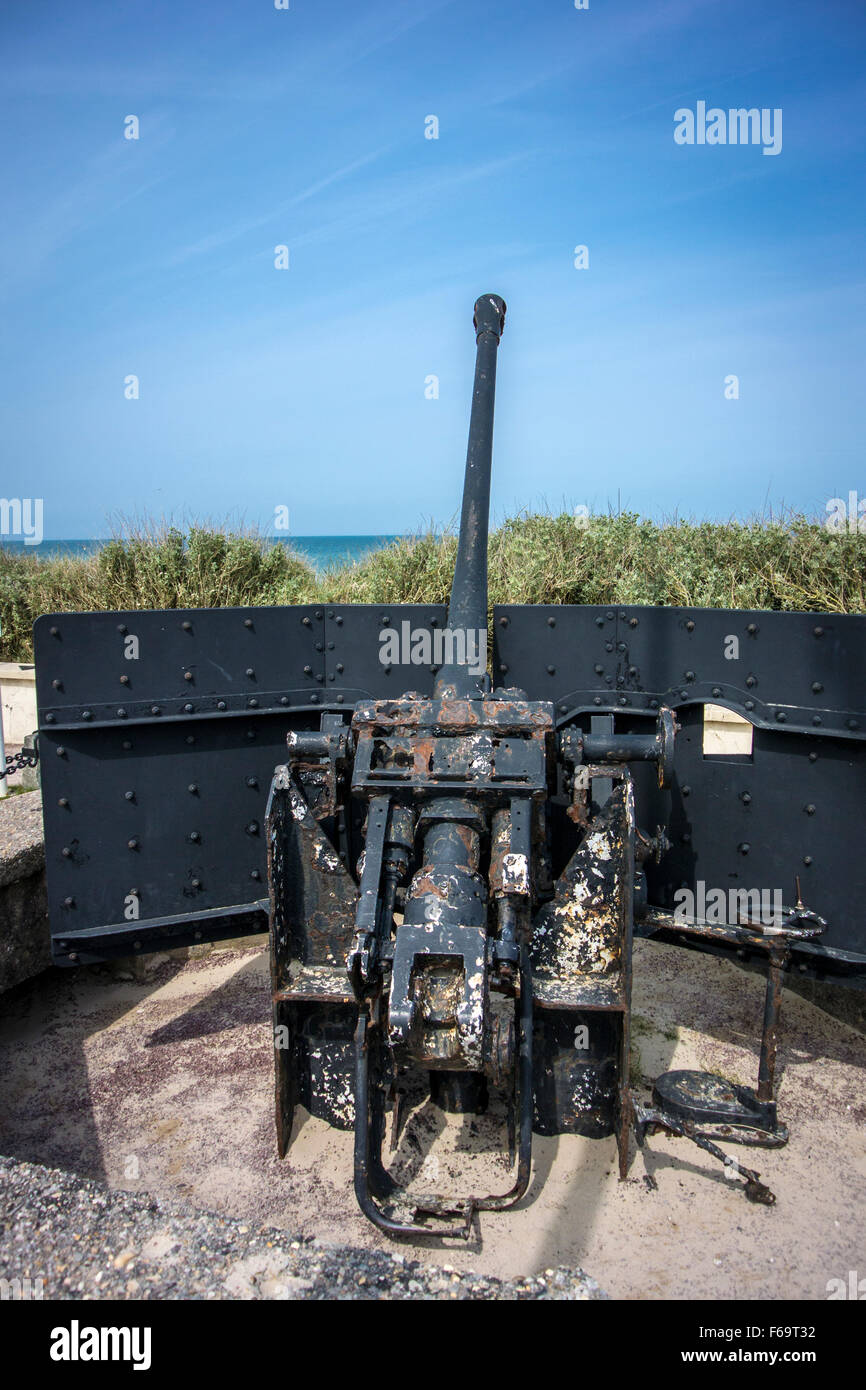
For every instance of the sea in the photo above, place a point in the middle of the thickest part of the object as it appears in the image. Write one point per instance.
(321, 552)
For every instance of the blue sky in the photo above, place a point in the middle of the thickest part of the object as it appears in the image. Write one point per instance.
(305, 387)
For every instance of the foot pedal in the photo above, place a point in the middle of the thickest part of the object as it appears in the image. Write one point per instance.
(702, 1098)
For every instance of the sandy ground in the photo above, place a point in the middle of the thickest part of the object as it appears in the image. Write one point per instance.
(163, 1084)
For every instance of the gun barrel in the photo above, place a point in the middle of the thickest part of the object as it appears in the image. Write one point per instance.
(467, 609)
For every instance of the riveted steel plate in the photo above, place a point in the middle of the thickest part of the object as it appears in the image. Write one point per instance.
(795, 806)
(801, 671)
(159, 734)
(357, 638)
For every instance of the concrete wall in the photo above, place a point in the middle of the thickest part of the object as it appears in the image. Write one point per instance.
(18, 700)
(24, 937)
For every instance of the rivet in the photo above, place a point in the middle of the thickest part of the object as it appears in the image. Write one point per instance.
(86, 714)
(746, 799)
(306, 622)
(129, 796)
(623, 700)
(689, 675)
(563, 709)
(632, 622)
(251, 733)
(717, 690)
(255, 873)
(64, 801)
(124, 680)
(750, 681)
(250, 673)
(810, 809)
(187, 675)
(608, 646)
(599, 670)
(752, 629)
(68, 902)
(503, 622)
(339, 621)
(188, 709)
(154, 709)
(853, 724)
(196, 882)
(58, 685)
(610, 617)
(193, 788)
(807, 859)
(49, 719)
(781, 716)
(551, 670)
(654, 704)
(190, 738)
(60, 751)
(687, 791)
(750, 704)
(314, 699)
(253, 828)
(253, 703)
(55, 631)
(745, 847)
(221, 704)
(330, 646)
(66, 852)
(817, 687)
(122, 628)
(818, 631)
(248, 622)
(126, 744)
(597, 700)
(339, 699)
(684, 694)
(690, 627)
(132, 844)
(284, 699)
(503, 667)
(816, 719)
(551, 622)
(195, 837)
(599, 622)
(187, 626)
(813, 757)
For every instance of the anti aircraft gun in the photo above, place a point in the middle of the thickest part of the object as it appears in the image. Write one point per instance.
(455, 871)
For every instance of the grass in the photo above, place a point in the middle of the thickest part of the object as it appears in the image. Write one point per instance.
(787, 563)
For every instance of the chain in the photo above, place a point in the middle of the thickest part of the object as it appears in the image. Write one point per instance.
(16, 762)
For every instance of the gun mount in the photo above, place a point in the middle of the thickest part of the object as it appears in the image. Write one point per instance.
(455, 868)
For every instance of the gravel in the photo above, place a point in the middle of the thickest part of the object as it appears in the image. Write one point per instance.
(85, 1241)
